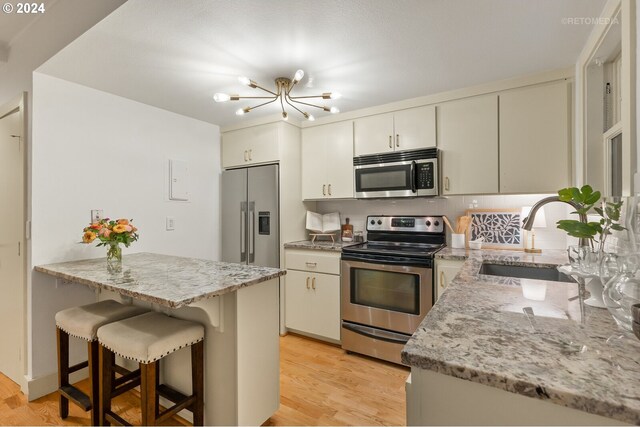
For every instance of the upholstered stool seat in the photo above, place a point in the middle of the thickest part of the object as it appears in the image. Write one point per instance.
(147, 339)
(83, 322)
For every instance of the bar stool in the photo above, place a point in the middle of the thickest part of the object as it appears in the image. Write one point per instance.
(147, 339)
(83, 322)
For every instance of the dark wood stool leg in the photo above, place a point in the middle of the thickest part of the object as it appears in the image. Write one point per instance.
(62, 340)
(107, 359)
(94, 381)
(148, 393)
(197, 382)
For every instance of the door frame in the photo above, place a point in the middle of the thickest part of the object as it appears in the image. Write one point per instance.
(20, 103)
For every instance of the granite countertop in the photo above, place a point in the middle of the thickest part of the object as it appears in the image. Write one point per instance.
(567, 353)
(319, 245)
(170, 281)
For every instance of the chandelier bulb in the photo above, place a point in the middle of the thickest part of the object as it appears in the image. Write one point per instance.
(241, 111)
(244, 80)
(221, 97)
(298, 76)
(334, 110)
(335, 95)
(310, 117)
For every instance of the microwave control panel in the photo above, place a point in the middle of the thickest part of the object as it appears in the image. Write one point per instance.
(424, 176)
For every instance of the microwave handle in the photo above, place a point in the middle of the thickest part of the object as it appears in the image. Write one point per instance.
(414, 177)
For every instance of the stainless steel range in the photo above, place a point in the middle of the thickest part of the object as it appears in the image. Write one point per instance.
(387, 283)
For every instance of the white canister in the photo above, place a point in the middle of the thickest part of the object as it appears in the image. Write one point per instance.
(457, 241)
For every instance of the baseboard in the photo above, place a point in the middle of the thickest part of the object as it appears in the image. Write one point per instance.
(41, 386)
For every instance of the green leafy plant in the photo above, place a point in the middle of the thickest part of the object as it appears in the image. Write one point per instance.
(587, 199)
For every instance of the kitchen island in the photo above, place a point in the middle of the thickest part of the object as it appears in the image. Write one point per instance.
(480, 358)
(237, 304)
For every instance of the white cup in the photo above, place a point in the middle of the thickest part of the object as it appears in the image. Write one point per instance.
(457, 241)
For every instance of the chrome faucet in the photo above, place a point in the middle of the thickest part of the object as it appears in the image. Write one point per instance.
(527, 223)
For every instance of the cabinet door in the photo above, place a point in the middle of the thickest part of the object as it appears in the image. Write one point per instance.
(468, 138)
(415, 128)
(445, 272)
(314, 161)
(339, 160)
(297, 304)
(535, 140)
(325, 308)
(373, 134)
(256, 144)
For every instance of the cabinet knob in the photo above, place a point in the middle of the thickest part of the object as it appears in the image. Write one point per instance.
(329, 189)
(246, 158)
(446, 183)
(442, 279)
(390, 141)
(313, 283)
(250, 155)
(311, 264)
(324, 189)
(397, 140)
(307, 283)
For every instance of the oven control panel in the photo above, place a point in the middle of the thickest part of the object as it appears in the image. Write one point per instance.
(411, 224)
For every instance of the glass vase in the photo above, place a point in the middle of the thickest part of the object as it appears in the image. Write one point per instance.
(114, 257)
(622, 291)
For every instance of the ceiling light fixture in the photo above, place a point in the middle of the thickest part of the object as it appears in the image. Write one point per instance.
(284, 86)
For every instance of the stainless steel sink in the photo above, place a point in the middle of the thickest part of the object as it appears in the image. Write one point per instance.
(523, 272)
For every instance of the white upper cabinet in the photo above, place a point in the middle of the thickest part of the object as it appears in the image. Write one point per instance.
(327, 161)
(253, 145)
(373, 134)
(535, 139)
(401, 130)
(468, 140)
(415, 128)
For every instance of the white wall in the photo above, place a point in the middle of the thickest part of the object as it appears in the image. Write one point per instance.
(452, 207)
(93, 150)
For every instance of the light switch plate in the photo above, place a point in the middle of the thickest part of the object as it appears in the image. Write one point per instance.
(96, 215)
(171, 223)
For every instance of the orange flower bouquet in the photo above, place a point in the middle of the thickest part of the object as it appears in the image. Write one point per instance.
(111, 233)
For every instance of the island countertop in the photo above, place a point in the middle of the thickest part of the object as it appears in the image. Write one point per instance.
(567, 353)
(166, 280)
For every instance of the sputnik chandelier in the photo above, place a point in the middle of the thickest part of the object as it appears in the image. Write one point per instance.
(284, 86)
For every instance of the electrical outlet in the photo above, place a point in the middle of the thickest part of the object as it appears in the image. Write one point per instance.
(171, 223)
(96, 215)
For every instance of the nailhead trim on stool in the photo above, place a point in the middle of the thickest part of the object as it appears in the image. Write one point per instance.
(147, 339)
(83, 322)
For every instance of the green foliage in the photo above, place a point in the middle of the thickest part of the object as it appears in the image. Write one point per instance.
(586, 199)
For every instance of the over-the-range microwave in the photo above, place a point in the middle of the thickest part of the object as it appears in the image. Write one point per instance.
(399, 174)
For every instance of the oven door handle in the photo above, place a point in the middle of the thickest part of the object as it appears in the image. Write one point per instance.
(414, 177)
(380, 335)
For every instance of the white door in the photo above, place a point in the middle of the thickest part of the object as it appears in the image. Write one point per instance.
(373, 134)
(339, 161)
(297, 296)
(12, 250)
(535, 143)
(314, 161)
(468, 140)
(325, 309)
(415, 128)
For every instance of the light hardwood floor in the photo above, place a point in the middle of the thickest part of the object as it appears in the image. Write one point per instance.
(320, 385)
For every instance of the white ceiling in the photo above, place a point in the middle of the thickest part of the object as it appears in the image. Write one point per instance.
(176, 54)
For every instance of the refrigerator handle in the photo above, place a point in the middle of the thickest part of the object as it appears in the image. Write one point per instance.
(243, 237)
(252, 232)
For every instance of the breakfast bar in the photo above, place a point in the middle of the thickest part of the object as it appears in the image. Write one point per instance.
(238, 306)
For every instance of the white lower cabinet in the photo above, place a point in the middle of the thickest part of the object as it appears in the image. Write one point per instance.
(446, 270)
(312, 299)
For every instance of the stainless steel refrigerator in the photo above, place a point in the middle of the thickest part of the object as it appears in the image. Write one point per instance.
(250, 218)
